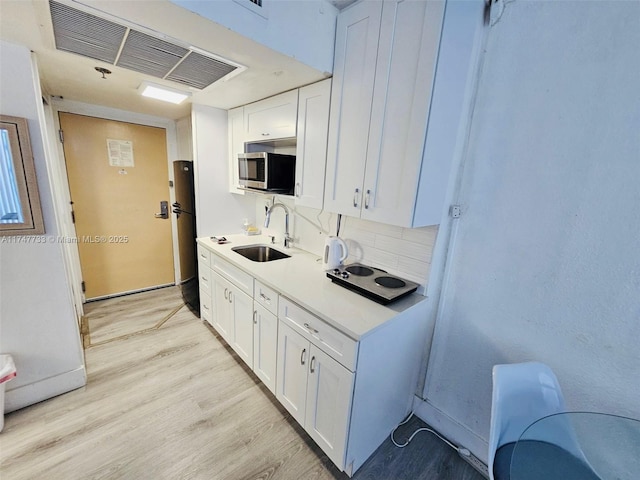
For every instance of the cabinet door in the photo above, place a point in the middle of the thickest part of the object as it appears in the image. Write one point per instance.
(291, 379)
(356, 48)
(311, 149)
(241, 308)
(272, 118)
(265, 345)
(206, 305)
(221, 318)
(328, 405)
(236, 145)
(405, 70)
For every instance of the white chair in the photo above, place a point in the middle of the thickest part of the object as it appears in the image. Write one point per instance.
(522, 394)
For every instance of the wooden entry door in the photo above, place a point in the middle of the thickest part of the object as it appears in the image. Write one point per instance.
(123, 247)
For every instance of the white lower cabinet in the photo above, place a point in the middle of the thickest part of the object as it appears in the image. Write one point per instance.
(316, 390)
(206, 306)
(265, 344)
(347, 394)
(291, 379)
(221, 318)
(234, 317)
(328, 408)
(242, 320)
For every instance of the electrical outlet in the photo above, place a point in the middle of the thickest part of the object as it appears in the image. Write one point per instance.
(475, 462)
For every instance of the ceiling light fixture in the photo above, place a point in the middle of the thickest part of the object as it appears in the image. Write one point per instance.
(103, 71)
(160, 92)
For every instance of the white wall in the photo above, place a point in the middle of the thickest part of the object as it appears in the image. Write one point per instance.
(184, 134)
(217, 211)
(37, 319)
(304, 30)
(544, 262)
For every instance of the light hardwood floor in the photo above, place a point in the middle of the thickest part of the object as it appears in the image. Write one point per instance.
(176, 403)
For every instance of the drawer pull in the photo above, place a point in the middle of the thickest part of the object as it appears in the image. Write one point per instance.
(205, 307)
(366, 199)
(255, 317)
(230, 292)
(303, 356)
(225, 293)
(311, 364)
(310, 328)
(264, 297)
(355, 197)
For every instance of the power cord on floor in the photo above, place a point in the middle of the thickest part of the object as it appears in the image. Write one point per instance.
(461, 451)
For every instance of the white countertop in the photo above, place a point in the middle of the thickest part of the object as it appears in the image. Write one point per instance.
(302, 279)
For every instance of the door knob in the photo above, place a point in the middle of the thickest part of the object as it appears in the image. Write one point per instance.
(164, 210)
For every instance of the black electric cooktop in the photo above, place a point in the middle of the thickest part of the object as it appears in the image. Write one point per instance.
(372, 282)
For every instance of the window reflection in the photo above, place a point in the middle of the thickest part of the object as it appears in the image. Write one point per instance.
(20, 212)
(10, 210)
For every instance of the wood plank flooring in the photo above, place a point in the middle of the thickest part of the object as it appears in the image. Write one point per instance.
(111, 319)
(177, 403)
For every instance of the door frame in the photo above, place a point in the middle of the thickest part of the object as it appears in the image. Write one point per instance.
(60, 184)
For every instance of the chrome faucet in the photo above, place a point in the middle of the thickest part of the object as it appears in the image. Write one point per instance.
(267, 219)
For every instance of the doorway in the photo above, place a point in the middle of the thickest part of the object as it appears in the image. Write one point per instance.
(118, 175)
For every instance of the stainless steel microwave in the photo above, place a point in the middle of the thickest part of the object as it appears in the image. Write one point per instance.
(271, 172)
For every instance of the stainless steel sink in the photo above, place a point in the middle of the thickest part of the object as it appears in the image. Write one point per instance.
(260, 253)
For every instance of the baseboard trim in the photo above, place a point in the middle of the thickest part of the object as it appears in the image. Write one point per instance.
(451, 429)
(35, 392)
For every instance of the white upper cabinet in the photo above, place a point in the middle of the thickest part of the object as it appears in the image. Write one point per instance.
(407, 53)
(235, 118)
(383, 110)
(357, 33)
(311, 149)
(272, 118)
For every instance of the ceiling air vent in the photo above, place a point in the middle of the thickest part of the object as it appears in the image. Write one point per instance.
(85, 34)
(199, 71)
(146, 54)
(82, 33)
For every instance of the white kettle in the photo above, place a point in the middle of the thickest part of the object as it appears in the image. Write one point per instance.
(335, 252)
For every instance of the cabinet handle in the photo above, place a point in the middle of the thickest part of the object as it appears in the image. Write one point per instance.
(225, 293)
(311, 364)
(205, 307)
(264, 297)
(355, 197)
(255, 317)
(298, 189)
(265, 134)
(302, 356)
(366, 199)
(203, 279)
(230, 292)
(310, 328)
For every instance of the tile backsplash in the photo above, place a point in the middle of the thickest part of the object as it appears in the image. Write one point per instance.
(405, 252)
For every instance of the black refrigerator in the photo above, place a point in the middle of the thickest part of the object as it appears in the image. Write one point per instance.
(185, 210)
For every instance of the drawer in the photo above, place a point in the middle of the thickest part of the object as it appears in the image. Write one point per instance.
(204, 256)
(204, 277)
(206, 307)
(235, 275)
(266, 297)
(333, 342)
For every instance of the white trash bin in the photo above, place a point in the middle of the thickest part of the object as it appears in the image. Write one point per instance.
(7, 372)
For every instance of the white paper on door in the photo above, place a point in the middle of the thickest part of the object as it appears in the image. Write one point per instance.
(120, 153)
